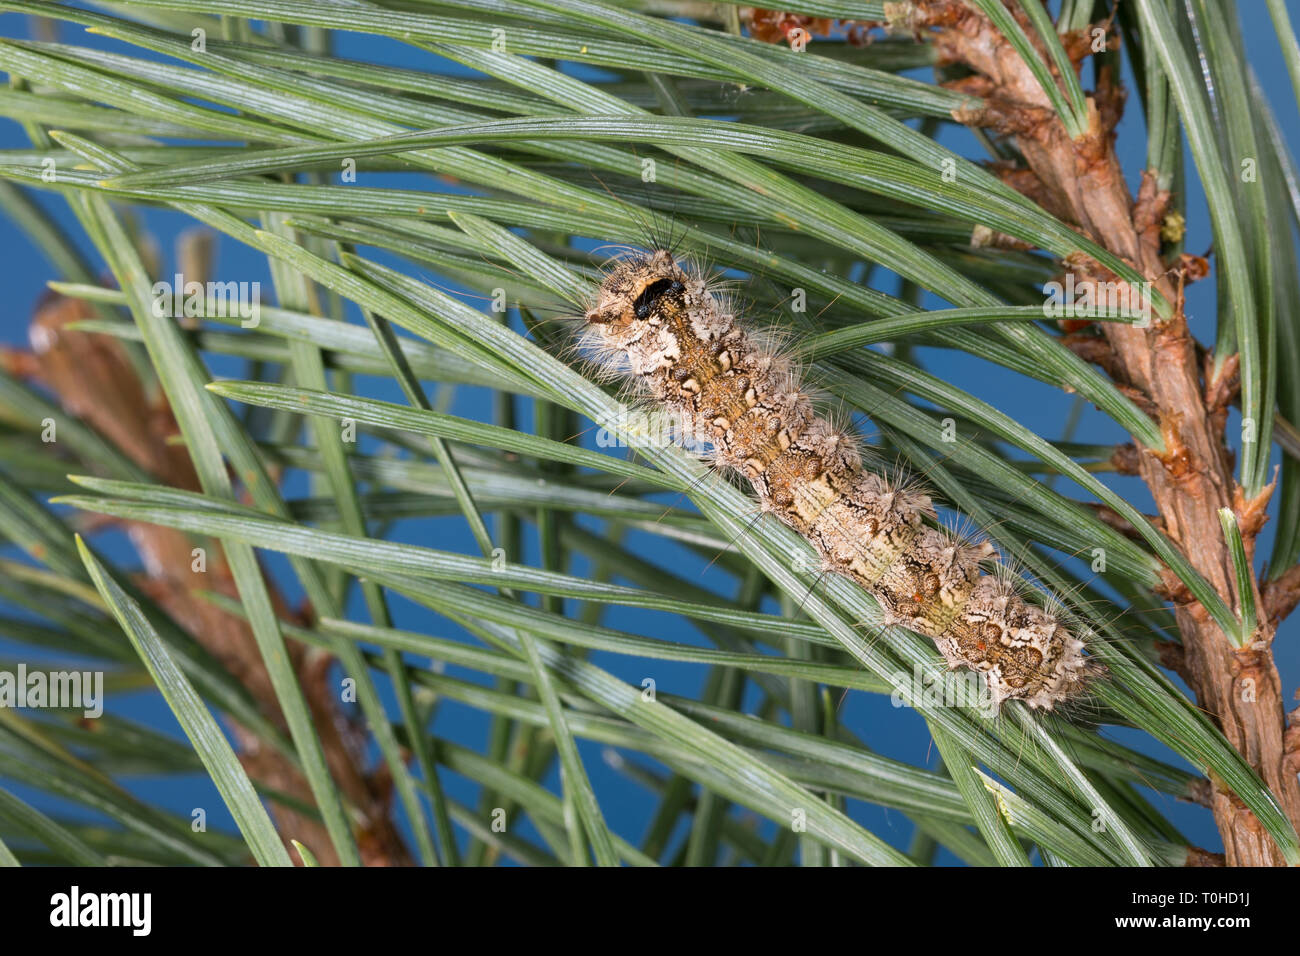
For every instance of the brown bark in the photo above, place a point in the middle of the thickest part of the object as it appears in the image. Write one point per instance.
(94, 380)
(1081, 181)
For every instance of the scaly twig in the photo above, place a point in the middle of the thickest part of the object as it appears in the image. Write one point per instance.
(1081, 181)
(93, 379)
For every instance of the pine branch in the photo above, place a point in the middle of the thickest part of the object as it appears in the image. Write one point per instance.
(1190, 476)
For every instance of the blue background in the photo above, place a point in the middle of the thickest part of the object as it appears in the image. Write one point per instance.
(628, 807)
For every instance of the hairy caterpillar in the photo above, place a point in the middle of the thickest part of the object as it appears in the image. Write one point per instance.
(656, 321)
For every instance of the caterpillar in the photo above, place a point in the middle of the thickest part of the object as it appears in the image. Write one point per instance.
(655, 320)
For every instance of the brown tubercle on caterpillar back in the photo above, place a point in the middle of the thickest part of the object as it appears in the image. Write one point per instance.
(660, 324)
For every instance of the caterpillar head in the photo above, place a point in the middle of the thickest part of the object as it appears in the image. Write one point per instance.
(636, 293)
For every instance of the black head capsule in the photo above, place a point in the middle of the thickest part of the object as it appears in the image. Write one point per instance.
(651, 294)
(631, 291)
